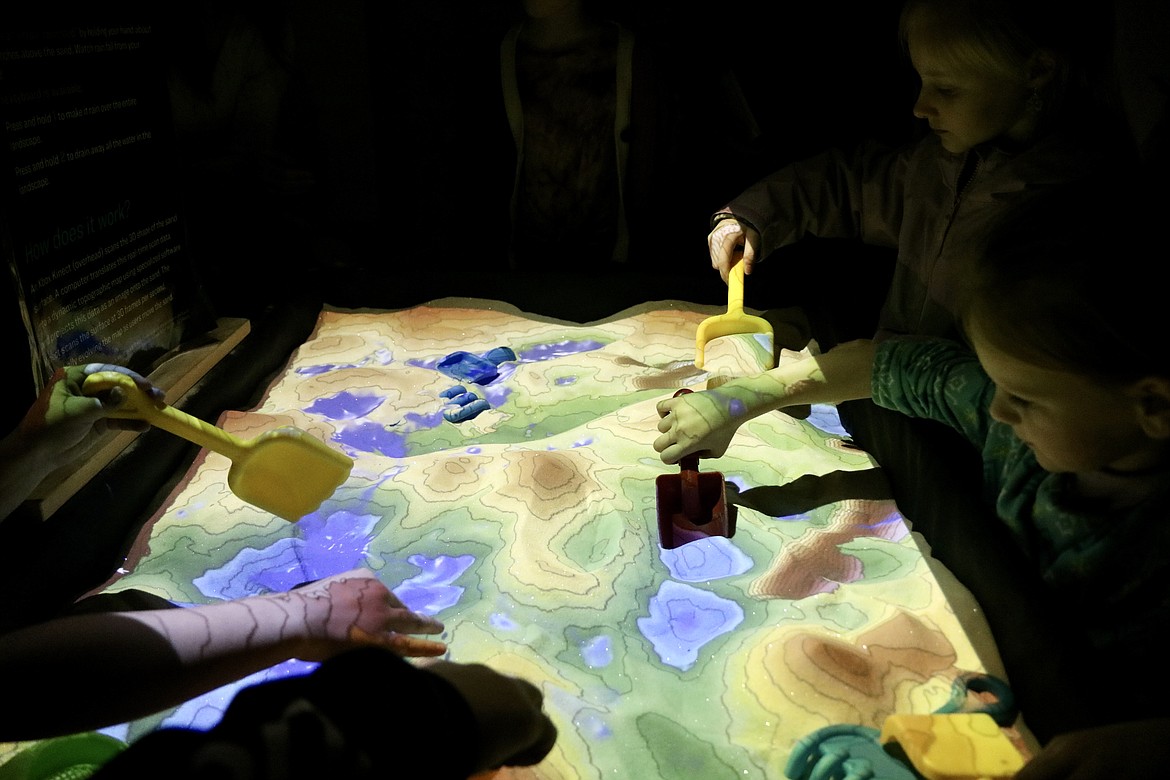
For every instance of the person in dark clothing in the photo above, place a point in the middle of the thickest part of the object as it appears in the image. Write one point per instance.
(365, 713)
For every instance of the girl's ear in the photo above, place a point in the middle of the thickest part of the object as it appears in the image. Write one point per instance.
(1041, 68)
(1153, 404)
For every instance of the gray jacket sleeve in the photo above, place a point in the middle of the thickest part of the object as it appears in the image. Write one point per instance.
(835, 194)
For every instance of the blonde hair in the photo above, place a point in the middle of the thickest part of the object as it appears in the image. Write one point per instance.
(1062, 280)
(981, 35)
(1014, 39)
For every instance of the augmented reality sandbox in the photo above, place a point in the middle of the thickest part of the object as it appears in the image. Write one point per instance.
(530, 528)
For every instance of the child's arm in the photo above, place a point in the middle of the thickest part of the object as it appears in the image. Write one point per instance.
(704, 422)
(116, 667)
(855, 195)
(60, 427)
(363, 713)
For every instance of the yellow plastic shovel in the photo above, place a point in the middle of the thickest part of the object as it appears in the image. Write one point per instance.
(731, 323)
(285, 471)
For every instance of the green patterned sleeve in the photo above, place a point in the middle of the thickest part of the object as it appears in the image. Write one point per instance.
(934, 379)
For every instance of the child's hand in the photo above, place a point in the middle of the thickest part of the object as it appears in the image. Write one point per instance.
(701, 423)
(112, 399)
(64, 422)
(730, 242)
(355, 608)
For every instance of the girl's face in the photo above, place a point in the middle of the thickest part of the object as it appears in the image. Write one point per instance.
(964, 105)
(1071, 422)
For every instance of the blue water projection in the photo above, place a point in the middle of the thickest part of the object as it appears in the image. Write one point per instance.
(824, 417)
(430, 591)
(702, 560)
(345, 405)
(365, 436)
(381, 357)
(557, 349)
(325, 546)
(597, 652)
(683, 619)
(502, 622)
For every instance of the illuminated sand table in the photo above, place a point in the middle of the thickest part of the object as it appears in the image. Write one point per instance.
(531, 531)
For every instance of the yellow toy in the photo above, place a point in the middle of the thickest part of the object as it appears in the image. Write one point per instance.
(958, 746)
(733, 322)
(285, 471)
(962, 740)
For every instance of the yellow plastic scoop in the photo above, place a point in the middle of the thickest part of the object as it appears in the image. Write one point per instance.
(285, 471)
(735, 321)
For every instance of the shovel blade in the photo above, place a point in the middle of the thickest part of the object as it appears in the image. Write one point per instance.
(285, 471)
(677, 524)
(734, 321)
(288, 472)
(727, 325)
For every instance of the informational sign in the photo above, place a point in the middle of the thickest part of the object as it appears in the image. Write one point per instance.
(92, 224)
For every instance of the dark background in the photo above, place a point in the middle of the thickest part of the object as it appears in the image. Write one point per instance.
(383, 166)
(357, 153)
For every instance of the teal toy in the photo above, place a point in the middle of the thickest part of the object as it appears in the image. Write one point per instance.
(844, 752)
(901, 750)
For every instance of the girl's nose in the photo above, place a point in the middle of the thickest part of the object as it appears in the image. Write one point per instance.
(922, 108)
(1001, 410)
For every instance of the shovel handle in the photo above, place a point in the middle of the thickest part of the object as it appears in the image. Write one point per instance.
(687, 462)
(692, 504)
(137, 405)
(735, 289)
